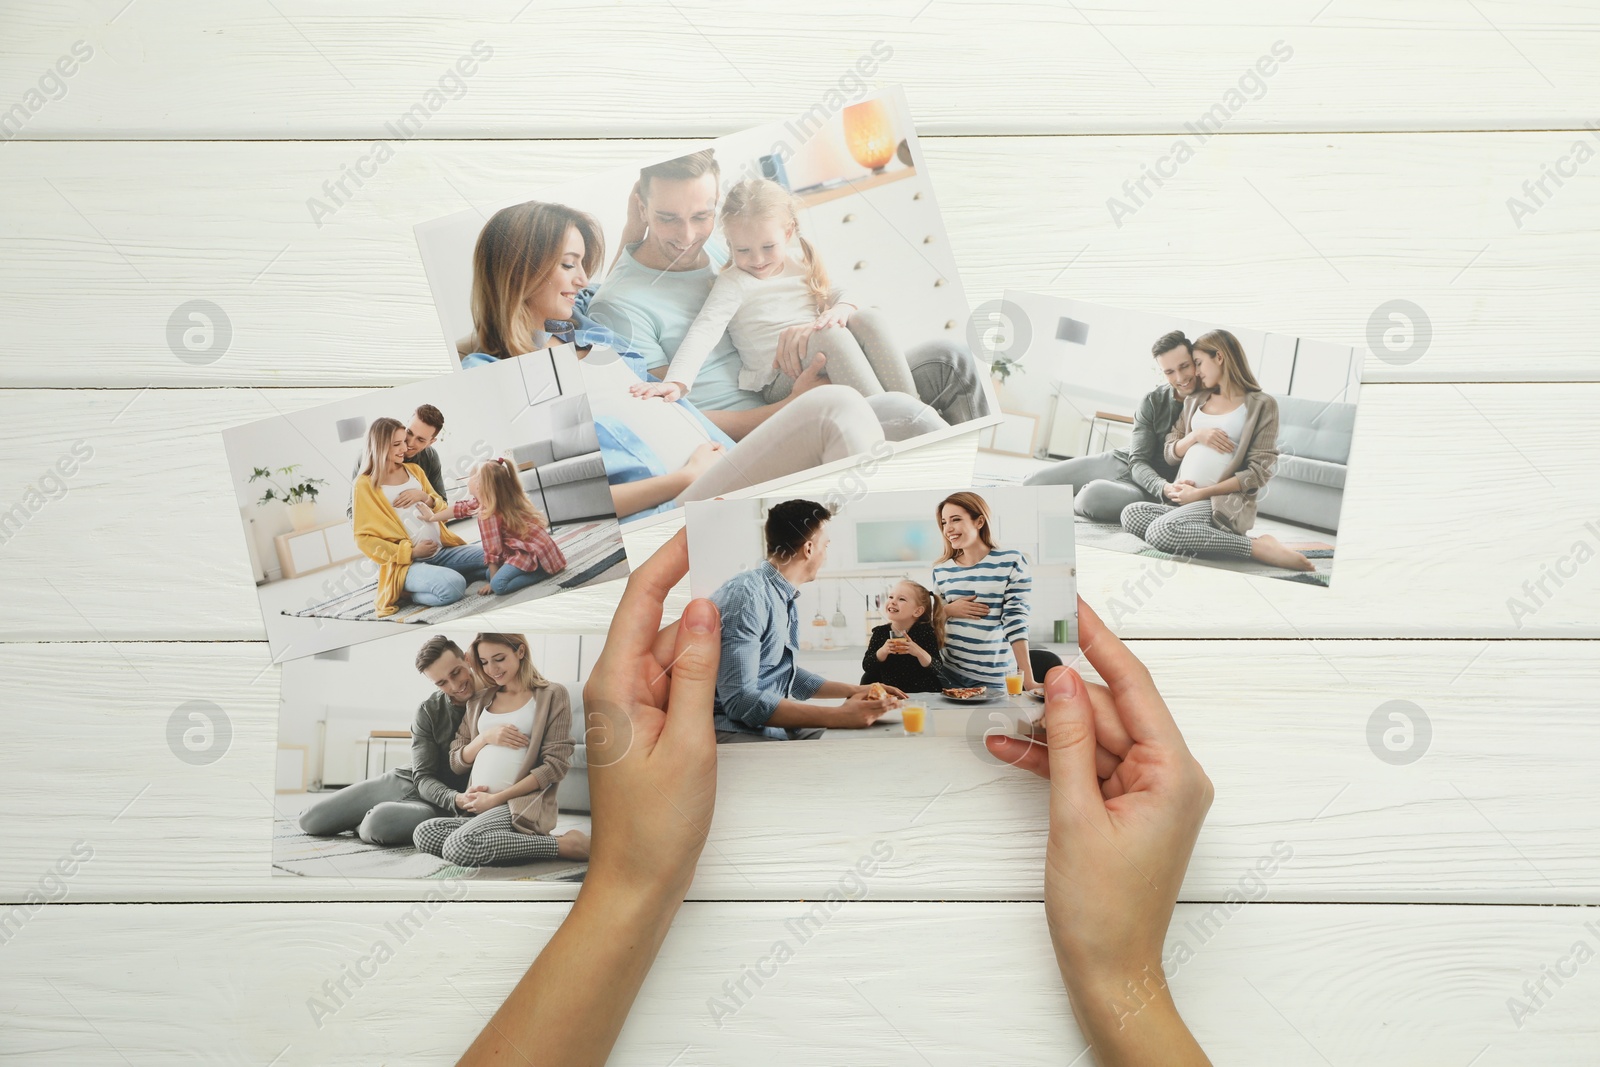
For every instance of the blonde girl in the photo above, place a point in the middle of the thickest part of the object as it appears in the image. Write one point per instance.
(765, 289)
(515, 536)
(907, 652)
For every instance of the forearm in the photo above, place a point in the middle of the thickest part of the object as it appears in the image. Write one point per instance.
(632, 497)
(570, 1005)
(831, 688)
(1131, 1020)
(1227, 485)
(1146, 477)
(792, 713)
(1019, 649)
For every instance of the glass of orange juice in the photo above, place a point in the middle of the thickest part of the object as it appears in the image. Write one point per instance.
(913, 718)
(1014, 684)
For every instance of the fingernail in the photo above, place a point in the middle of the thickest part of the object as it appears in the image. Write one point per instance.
(700, 617)
(1061, 682)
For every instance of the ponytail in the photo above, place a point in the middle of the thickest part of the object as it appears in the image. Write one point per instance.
(816, 273)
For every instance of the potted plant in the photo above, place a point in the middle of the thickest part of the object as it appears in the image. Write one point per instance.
(300, 495)
(1001, 369)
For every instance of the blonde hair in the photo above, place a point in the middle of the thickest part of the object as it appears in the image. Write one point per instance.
(501, 494)
(977, 508)
(517, 250)
(932, 607)
(762, 198)
(527, 674)
(1230, 353)
(380, 436)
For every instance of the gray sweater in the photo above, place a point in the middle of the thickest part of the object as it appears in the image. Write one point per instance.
(431, 733)
(1147, 461)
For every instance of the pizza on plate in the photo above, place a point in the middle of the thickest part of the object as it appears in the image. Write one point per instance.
(965, 692)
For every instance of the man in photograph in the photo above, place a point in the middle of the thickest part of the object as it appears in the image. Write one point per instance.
(664, 272)
(1110, 481)
(762, 692)
(427, 423)
(386, 809)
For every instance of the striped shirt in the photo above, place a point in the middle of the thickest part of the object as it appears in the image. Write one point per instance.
(979, 649)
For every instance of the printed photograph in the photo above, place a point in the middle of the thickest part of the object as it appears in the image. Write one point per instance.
(437, 754)
(895, 614)
(761, 307)
(1182, 439)
(424, 503)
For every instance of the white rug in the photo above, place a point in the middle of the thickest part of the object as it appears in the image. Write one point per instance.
(347, 856)
(594, 552)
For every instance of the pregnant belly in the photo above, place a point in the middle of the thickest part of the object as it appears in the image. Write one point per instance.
(497, 767)
(1203, 466)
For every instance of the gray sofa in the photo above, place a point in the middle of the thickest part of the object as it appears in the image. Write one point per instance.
(564, 473)
(573, 792)
(1313, 451)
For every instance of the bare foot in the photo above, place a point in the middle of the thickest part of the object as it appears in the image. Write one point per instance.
(1270, 550)
(573, 845)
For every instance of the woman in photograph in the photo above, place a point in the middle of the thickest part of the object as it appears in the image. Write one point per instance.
(515, 742)
(1225, 446)
(986, 591)
(531, 263)
(907, 652)
(416, 553)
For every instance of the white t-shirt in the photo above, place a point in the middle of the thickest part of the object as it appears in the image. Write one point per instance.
(1203, 464)
(417, 528)
(754, 312)
(497, 765)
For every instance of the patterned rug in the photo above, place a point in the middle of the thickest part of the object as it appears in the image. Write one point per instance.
(347, 856)
(594, 552)
(1114, 538)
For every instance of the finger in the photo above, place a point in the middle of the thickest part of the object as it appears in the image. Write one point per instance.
(1139, 704)
(1069, 731)
(665, 643)
(1020, 752)
(694, 678)
(638, 615)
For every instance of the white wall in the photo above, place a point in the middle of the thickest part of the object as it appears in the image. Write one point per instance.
(725, 538)
(1114, 368)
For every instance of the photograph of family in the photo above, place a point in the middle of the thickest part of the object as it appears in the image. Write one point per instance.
(902, 614)
(424, 503)
(436, 754)
(1182, 439)
(764, 306)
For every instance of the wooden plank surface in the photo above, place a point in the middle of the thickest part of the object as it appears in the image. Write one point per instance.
(1284, 728)
(295, 69)
(1307, 234)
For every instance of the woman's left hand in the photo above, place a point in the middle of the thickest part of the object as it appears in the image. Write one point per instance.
(477, 800)
(1186, 492)
(411, 498)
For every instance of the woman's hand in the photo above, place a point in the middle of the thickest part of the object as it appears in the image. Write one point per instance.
(702, 459)
(1127, 800)
(424, 548)
(838, 315)
(410, 498)
(966, 607)
(476, 800)
(505, 734)
(648, 704)
(1213, 438)
(1186, 492)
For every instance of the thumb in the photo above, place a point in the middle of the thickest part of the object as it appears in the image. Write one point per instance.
(1069, 732)
(695, 656)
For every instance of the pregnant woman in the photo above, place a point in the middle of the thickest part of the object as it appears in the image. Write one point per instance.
(531, 264)
(516, 742)
(986, 590)
(1225, 445)
(415, 553)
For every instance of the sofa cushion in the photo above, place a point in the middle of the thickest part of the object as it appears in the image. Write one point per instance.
(1313, 471)
(574, 469)
(1315, 429)
(536, 452)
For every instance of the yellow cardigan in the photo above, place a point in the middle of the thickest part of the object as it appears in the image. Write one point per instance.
(382, 537)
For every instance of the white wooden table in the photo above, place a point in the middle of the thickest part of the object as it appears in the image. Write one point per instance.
(1375, 166)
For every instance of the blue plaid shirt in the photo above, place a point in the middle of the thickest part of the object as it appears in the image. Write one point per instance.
(760, 632)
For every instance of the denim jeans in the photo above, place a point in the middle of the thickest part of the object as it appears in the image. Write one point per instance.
(442, 578)
(508, 579)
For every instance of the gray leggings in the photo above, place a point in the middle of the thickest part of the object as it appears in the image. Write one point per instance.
(484, 840)
(1184, 530)
(1103, 481)
(382, 811)
(861, 355)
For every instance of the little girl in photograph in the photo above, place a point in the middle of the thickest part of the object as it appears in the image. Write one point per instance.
(763, 290)
(906, 652)
(517, 547)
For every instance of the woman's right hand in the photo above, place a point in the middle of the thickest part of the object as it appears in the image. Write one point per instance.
(505, 734)
(475, 801)
(424, 548)
(966, 607)
(1213, 437)
(702, 459)
(1127, 800)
